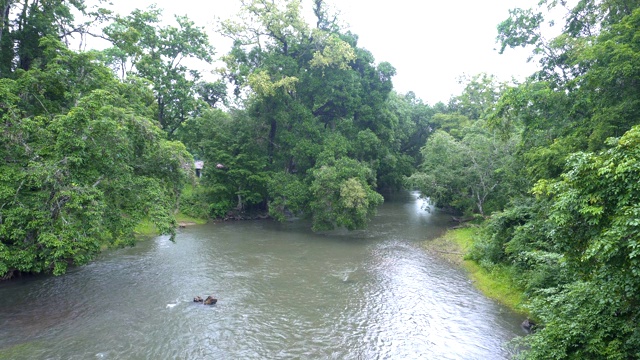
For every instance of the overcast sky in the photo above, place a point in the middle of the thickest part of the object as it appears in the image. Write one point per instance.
(431, 43)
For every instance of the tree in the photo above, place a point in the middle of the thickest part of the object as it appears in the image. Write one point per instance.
(594, 215)
(440, 174)
(308, 89)
(479, 96)
(415, 122)
(158, 54)
(342, 195)
(586, 71)
(234, 149)
(574, 245)
(82, 165)
(24, 23)
(467, 174)
(467, 166)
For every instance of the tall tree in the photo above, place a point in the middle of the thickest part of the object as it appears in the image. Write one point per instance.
(23, 23)
(143, 48)
(473, 174)
(466, 165)
(310, 88)
(594, 51)
(82, 165)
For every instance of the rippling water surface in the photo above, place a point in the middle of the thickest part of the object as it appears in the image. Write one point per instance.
(284, 293)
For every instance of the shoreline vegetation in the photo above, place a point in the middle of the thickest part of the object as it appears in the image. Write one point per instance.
(497, 283)
(146, 228)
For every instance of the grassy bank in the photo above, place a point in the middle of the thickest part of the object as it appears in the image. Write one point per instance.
(497, 283)
(147, 229)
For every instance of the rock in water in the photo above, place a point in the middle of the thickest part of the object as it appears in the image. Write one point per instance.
(197, 299)
(528, 326)
(210, 300)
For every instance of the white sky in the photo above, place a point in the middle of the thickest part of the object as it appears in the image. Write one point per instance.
(431, 43)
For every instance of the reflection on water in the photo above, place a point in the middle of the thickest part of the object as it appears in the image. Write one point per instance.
(284, 292)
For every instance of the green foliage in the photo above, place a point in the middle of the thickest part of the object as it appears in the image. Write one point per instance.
(414, 122)
(478, 97)
(472, 174)
(24, 24)
(82, 167)
(467, 165)
(609, 87)
(440, 176)
(584, 320)
(585, 91)
(235, 158)
(195, 203)
(313, 102)
(288, 194)
(575, 244)
(342, 195)
(520, 29)
(520, 237)
(596, 204)
(143, 48)
(575, 247)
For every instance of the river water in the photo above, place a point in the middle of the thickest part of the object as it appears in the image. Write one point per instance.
(284, 293)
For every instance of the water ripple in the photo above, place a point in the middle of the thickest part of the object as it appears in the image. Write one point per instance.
(283, 292)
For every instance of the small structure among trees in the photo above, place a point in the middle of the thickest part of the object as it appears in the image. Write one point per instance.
(199, 165)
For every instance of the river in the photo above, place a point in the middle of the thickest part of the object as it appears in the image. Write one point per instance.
(283, 293)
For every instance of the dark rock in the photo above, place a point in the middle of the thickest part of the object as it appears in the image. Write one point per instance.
(197, 299)
(210, 300)
(528, 326)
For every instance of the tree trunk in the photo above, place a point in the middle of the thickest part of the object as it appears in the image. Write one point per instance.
(24, 58)
(272, 139)
(240, 203)
(4, 20)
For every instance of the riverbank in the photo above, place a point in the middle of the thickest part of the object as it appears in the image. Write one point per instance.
(146, 228)
(497, 283)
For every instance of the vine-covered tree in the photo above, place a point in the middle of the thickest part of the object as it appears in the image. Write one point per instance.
(315, 101)
(143, 48)
(82, 163)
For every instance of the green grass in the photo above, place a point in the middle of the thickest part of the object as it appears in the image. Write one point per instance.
(147, 229)
(188, 190)
(496, 283)
(183, 218)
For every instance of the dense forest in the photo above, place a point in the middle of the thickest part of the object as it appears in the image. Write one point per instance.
(301, 121)
(555, 163)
